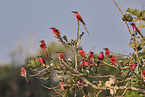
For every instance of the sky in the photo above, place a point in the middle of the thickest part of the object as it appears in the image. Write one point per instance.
(25, 22)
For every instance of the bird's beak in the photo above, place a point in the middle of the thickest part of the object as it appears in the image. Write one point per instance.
(73, 11)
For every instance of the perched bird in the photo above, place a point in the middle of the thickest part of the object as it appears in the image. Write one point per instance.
(86, 63)
(132, 66)
(91, 57)
(56, 32)
(100, 57)
(61, 56)
(79, 18)
(107, 52)
(43, 45)
(114, 62)
(143, 74)
(24, 73)
(82, 52)
(135, 29)
(42, 61)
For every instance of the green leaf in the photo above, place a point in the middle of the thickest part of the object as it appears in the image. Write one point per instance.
(133, 55)
(139, 48)
(131, 45)
(127, 17)
(142, 26)
(136, 12)
(65, 38)
(142, 14)
(143, 50)
(129, 10)
(81, 35)
(64, 93)
(32, 62)
(29, 65)
(47, 78)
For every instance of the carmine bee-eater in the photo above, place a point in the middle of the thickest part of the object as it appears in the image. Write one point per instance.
(56, 32)
(91, 58)
(82, 52)
(43, 45)
(24, 73)
(143, 74)
(114, 62)
(42, 61)
(79, 18)
(100, 57)
(107, 52)
(61, 56)
(132, 66)
(86, 63)
(135, 29)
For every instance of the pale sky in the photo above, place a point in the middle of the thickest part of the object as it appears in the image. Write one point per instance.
(22, 19)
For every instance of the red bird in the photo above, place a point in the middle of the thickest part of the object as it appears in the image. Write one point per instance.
(114, 62)
(91, 57)
(41, 59)
(61, 56)
(86, 63)
(79, 18)
(133, 65)
(43, 45)
(107, 52)
(56, 32)
(24, 73)
(135, 29)
(100, 57)
(143, 74)
(82, 53)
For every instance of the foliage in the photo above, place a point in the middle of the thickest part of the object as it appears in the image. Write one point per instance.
(72, 73)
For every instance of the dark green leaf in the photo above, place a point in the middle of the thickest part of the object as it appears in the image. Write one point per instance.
(129, 10)
(47, 78)
(81, 35)
(65, 38)
(136, 12)
(142, 14)
(139, 48)
(127, 17)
